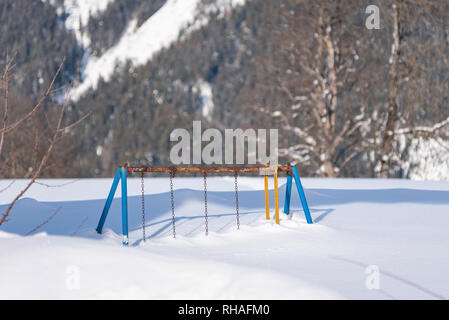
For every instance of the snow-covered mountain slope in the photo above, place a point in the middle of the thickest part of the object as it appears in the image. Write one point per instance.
(78, 13)
(371, 239)
(138, 45)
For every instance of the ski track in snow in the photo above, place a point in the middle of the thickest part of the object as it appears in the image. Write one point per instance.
(398, 225)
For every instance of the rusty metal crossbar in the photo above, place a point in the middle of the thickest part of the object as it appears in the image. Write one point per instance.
(200, 169)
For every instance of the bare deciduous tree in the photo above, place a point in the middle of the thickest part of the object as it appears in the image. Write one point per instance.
(417, 83)
(314, 68)
(55, 126)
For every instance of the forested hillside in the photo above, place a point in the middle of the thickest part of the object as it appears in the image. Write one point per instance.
(348, 100)
(34, 30)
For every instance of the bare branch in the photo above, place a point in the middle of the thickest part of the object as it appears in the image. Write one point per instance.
(75, 123)
(52, 142)
(80, 226)
(421, 130)
(37, 172)
(39, 103)
(8, 186)
(5, 79)
(44, 223)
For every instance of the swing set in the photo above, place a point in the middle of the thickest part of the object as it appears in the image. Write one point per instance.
(122, 173)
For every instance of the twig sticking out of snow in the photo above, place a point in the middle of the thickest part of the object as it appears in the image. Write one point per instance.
(8, 186)
(80, 226)
(44, 223)
(56, 185)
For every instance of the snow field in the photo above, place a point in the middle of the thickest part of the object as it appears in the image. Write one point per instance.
(398, 226)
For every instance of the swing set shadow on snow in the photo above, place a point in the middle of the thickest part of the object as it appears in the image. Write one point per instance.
(122, 173)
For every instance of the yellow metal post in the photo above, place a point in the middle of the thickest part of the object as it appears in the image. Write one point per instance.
(267, 200)
(276, 195)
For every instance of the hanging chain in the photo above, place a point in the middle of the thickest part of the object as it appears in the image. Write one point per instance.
(142, 187)
(205, 202)
(172, 197)
(236, 173)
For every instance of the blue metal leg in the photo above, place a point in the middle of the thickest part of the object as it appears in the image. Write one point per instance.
(302, 195)
(288, 194)
(108, 202)
(124, 172)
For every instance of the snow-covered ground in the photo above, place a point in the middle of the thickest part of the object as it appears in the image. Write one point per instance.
(398, 227)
